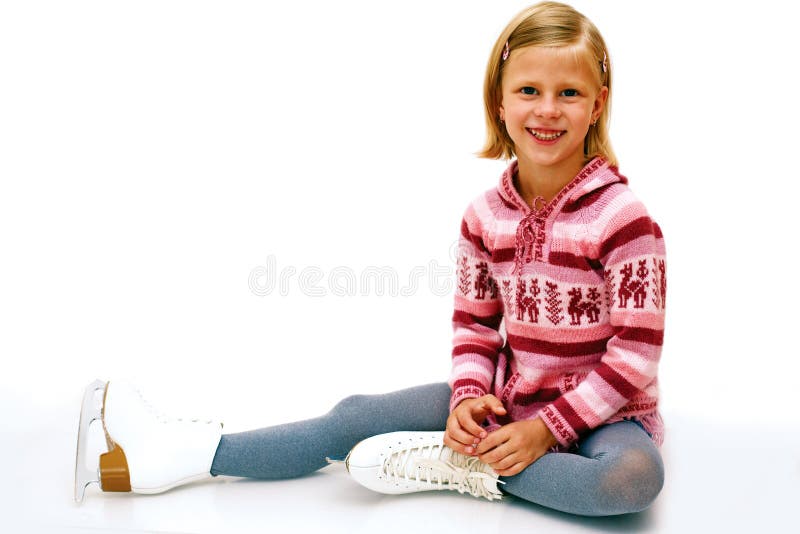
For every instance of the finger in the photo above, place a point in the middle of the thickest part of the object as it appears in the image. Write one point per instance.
(461, 437)
(509, 460)
(480, 408)
(468, 424)
(488, 404)
(494, 404)
(487, 444)
(496, 454)
(459, 447)
(515, 469)
(494, 439)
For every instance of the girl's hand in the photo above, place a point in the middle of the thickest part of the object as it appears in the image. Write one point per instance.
(463, 430)
(515, 446)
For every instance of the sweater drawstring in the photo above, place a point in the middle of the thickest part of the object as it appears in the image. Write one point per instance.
(529, 231)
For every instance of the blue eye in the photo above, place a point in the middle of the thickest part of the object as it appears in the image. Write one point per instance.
(529, 91)
(570, 92)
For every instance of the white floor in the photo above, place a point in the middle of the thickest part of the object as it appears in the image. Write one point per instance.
(739, 480)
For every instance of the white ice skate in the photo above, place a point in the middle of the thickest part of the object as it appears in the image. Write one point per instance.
(147, 451)
(407, 462)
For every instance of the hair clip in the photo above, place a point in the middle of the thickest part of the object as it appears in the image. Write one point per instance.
(505, 52)
(605, 63)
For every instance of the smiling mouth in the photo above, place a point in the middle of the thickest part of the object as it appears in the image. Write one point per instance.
(546, 135)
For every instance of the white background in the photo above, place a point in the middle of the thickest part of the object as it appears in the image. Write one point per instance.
(154, 154)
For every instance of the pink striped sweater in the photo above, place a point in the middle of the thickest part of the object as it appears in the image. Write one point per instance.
(559, 311)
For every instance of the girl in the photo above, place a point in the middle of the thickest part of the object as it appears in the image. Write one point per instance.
(558, 326)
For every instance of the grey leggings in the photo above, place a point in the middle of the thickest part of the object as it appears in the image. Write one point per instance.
(615, 470)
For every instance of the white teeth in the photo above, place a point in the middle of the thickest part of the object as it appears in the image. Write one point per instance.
(544, 136)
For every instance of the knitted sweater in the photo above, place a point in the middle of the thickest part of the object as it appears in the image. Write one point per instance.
(579, 285)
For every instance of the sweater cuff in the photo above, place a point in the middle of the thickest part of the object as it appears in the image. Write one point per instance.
(558, 425)
(465, 392)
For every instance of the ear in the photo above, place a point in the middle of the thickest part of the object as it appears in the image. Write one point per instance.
(600, 101)
(502, 113)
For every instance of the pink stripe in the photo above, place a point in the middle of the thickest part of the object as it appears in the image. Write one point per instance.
(467, 348)
(538, 363)
(585, 201)
(547, 333)
(475, 240)
(638, 319)
(561, 349)
(641, 335)
(639, 354)
(585, 412)
(542, 395)
(633, 230)
(500, 255)
(490, 320)
(467, 382)
(617, 381)
(475, 378)
(605, 391)
(571, 261)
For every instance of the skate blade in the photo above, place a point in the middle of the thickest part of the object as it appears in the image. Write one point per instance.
(91, 410)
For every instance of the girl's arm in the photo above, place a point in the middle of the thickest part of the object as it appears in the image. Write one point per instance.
(477, 315)
(631, 249)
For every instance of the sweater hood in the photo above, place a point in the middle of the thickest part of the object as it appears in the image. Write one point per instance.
(594, 176)
(531, 234)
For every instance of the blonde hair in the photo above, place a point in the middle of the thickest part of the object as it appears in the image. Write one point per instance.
(549, 24)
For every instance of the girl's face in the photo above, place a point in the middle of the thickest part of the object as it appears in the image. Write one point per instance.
(549, 100)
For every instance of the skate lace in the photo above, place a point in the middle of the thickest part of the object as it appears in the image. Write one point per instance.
(161, 417)
(423, 464)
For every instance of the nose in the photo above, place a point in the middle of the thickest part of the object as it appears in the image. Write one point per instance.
(547, 108)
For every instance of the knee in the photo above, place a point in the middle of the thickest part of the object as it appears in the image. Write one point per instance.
(351, 405)
(633, 481)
